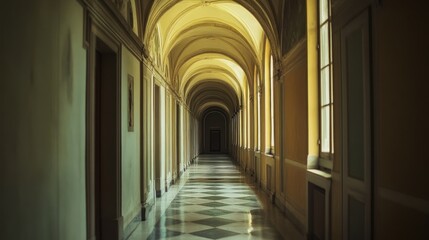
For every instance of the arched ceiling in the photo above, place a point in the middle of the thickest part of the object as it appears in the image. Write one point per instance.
(210, 48)
(200, 95)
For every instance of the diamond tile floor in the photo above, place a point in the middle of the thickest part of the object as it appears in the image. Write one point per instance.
(214, 202)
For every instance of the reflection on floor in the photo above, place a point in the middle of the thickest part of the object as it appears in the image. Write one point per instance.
(214, 202)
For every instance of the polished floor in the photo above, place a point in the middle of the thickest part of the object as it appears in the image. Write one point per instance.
(213, 201)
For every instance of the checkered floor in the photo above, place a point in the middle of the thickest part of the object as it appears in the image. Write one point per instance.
(215, 203)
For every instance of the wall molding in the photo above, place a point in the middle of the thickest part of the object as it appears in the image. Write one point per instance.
(109, 17)
(162, 80)
(405, 200)
(130, 227)
(295, 164)
(294, 57)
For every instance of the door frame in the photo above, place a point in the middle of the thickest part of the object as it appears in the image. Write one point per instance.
(96, 33)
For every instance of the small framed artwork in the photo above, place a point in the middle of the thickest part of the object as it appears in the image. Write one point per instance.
(130, 103)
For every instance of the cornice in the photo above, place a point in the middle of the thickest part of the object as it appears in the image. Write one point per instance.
(106, 15)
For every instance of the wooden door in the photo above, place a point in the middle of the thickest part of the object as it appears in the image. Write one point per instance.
(356, 114)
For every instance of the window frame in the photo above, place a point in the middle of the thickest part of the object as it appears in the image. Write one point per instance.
(325, 157)
(272, 99)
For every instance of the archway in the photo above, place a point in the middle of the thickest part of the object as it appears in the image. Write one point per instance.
(215, 132)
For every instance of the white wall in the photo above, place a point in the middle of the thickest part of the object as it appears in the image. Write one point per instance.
(71, 140)
(42, 120)
(131, 204)
(149, 187)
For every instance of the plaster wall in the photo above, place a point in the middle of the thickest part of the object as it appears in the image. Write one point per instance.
(43, 80)
(130, 139)
(148, 178)
(401, 128)
(295, 142)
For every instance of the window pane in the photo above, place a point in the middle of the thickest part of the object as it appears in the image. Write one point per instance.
(323, 10)
(324, 86)
(325, 127)
(324, 45)
(259, 121)
(272, 98)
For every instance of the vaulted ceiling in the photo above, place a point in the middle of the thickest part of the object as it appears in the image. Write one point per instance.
(211, 49)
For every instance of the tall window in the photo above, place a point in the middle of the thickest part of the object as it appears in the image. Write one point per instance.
(268, 92)
(255, 114)
(325, 79)
(272, 101)
(259, 114)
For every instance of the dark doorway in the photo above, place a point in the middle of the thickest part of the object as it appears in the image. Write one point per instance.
(103, 144)
(178, 139)
(214, 131)
(215, 140)
(157, 139)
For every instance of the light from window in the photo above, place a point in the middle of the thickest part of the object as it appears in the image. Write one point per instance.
(259, 113)
(325, 76)
(272, 100)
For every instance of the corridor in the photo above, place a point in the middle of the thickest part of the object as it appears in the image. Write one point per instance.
(216, 201)
(214, 119)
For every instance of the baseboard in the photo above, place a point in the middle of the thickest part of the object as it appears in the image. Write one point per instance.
(279, 203)
(146, 208)
(269, 193)
(159, 193)
(295, 220)
(129, 229)
(284, 207)
(167, 186)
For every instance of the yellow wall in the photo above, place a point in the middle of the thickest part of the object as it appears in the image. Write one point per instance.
(295, 130)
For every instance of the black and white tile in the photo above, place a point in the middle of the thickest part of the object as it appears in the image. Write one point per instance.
(215, 203)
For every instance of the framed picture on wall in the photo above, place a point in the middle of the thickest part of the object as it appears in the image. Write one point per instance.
(130, 91)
